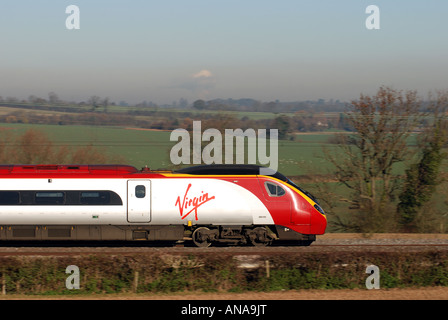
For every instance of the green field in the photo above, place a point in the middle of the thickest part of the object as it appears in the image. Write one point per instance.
(134, 147)
(152, 148)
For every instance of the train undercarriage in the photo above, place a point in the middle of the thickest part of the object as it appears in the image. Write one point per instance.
(247, 235)
(200, 236)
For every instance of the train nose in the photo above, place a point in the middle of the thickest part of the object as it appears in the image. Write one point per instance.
(318, 220)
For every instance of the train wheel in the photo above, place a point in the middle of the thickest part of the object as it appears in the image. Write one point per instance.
(201, 237)
(259, 237)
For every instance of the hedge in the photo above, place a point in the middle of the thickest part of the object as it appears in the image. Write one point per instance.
(157, 273)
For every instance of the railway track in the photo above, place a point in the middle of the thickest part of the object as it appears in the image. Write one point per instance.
(131, 248)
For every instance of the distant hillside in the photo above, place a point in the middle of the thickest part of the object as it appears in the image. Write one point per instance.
(248, 104)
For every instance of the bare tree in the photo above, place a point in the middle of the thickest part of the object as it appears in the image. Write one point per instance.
(94, 101)
(416, 210)
(366, 161)
(105, 104)
(53, 98)
(34, 147)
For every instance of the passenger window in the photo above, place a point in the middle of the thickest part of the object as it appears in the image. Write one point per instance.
(95, 197)
(140, 191)
(92, 197)
(9, 197)
(49, 197)
(274, 190)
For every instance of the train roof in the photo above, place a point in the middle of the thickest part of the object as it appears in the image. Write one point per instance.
(229, 169)
(89, 169)
(124, 170)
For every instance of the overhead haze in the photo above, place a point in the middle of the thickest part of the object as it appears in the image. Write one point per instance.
(162, 51)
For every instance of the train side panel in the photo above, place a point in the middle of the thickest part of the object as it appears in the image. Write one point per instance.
(203, 201)
(54, 214)
(172, 201)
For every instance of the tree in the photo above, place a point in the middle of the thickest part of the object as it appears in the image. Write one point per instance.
(199, 104)
(33, 147)
(183, 103)
(105, 104)
(365, 161)
(53, 98)
(423, 176)
(88, 155)
(94, 101)
(283, 125)
(32, 99)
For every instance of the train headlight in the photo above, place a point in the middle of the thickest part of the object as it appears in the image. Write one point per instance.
(318, 208)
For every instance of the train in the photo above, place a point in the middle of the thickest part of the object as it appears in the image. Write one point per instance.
(203, 205)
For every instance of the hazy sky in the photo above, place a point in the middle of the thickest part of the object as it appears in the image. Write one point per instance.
(161, 51)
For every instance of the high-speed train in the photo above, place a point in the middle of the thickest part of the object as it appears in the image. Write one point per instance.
(204, 204)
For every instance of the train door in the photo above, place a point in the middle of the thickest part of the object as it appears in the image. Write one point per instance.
(139, 200)
(277, 199)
